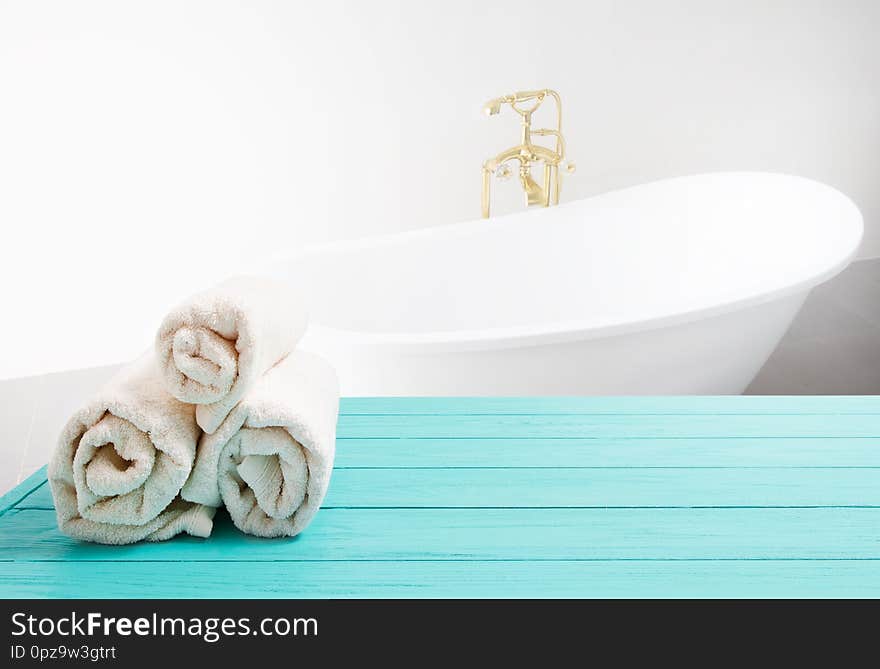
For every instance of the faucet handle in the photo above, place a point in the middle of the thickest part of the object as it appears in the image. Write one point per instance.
(571, 167)
(502, 172)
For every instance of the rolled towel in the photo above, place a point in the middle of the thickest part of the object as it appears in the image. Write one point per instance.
(215, 345)
(270, 461)
(122, 459)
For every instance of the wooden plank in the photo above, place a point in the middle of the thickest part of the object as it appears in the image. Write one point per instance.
(494, 534)
(604, 452)
(23, 490)
(736, 578)
(573, 487)
(567, 426)
(716, 405)
(607, 452)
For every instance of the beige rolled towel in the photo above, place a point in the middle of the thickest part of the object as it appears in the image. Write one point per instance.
(271, 459)
(122, 459)
(215, 345)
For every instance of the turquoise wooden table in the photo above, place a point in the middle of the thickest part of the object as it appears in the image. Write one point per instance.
(529, 497)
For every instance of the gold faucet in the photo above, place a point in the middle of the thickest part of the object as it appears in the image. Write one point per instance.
(526, 152)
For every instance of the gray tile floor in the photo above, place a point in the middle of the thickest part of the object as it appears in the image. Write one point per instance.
(832, 348)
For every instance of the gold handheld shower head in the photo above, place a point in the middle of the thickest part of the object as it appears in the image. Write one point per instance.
(493, 106)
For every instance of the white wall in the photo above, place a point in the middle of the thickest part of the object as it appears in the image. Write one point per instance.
(145, 147)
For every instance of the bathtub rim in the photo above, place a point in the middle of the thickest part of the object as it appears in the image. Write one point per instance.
(555, 332)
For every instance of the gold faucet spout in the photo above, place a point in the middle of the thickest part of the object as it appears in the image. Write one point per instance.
(534, 193)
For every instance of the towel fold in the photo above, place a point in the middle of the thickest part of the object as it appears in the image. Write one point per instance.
(215, 345)
(122, 459)
(271, 459)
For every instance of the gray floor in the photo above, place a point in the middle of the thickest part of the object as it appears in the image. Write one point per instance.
(832, 348)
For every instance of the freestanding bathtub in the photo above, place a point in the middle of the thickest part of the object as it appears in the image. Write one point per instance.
(681, 286)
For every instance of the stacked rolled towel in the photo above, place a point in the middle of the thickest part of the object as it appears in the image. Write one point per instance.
(121, 461)
(214, 346)
(270, 460)
(134, 463)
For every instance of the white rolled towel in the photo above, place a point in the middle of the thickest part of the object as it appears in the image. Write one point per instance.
(271, 459)
(216, 344)
(122, 459)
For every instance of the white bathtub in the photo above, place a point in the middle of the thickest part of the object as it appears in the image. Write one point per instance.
(682, 286)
